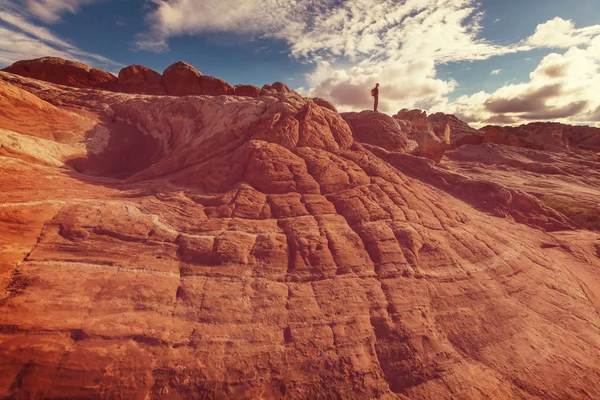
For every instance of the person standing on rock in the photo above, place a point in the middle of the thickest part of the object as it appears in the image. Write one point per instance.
(375, 94)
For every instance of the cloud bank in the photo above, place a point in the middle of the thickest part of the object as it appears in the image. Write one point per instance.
(354, 44)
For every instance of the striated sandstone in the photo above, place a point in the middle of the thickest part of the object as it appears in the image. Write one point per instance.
(255, 249)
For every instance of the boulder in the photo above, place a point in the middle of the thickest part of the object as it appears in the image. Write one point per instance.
(140, 79)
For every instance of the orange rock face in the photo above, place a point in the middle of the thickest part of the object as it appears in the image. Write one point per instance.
(231, 247)
(63, 72)
(181, 79)
(140, 79)
(246, 90)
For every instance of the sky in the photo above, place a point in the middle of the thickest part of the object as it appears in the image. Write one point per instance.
(486, 61)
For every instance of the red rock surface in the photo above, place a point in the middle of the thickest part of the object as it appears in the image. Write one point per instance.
(63, 72)
(324, 103)
(545, 136)
(254, 248)
(246, 90)
(181, 79)
(377, 129)
(140, 79)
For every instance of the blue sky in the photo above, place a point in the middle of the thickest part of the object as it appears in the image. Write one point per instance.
(467, 57)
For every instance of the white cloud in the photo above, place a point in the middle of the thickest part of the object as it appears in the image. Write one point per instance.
(51, 10)
(445, 30)
(560, 33)
(563, 87)
(22, 39)
(402, 85)
(496, 72)
(396, 43)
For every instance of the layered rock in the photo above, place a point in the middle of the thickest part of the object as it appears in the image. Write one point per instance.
(258, 250)
(140, 79)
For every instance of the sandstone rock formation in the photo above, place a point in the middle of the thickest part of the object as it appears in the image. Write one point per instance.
(378, 129)
(432, 139)
(254, 248)
(140, 79)
(246, 90)
(324, 103)
(181, 79)
(429, 145)
(417, 118)
(64, 72)
(545, 136)
(275, 88)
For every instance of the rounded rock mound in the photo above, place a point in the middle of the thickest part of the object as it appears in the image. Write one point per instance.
(63, 72)
(182, 79)
(140, 79)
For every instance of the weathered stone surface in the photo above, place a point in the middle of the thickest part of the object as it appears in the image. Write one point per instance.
(140, 79)
(378, 129)
(63, 72)
(181, 79)
(429, 145)
(259, 251)
(324, 103)
(545, 136)
(214, 86)
(417, 118)
(275, 88)
(246, 91)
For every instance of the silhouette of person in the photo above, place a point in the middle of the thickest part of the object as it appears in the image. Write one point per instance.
(375, 94)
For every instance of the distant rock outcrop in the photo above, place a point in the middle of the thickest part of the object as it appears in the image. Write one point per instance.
(275, 88)
(417, 118)
(140, 79)
(246, 91)
(182, 79)
(64, 72)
